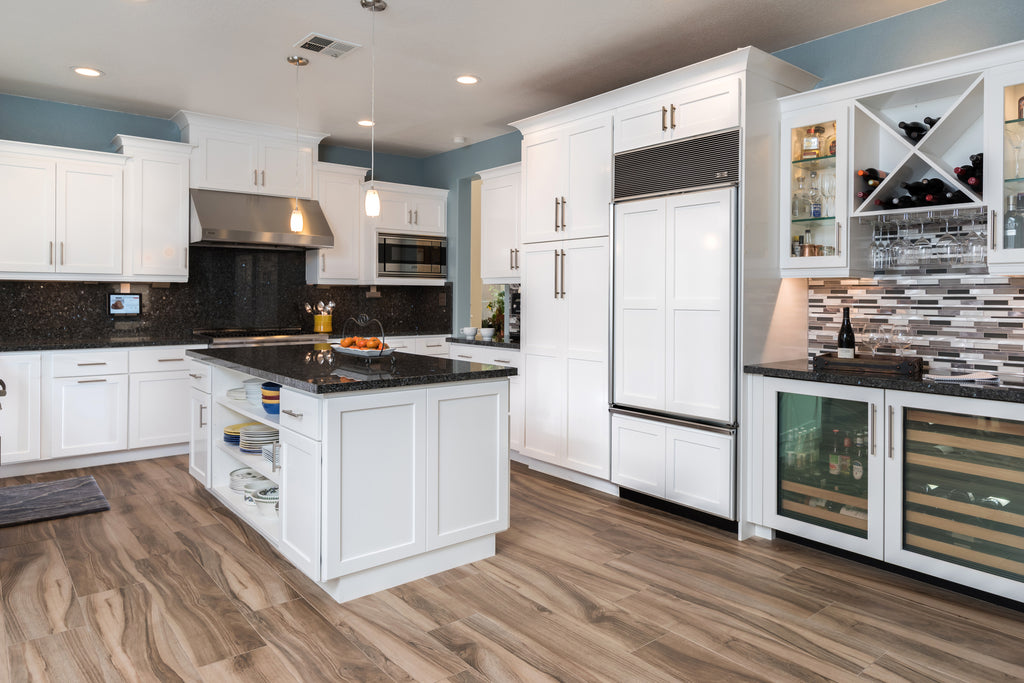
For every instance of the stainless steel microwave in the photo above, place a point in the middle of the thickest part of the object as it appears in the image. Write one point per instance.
(424, 256)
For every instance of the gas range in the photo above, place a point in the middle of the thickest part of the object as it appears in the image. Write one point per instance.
(258, 336)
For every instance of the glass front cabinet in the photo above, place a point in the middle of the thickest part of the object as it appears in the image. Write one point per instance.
(931, 483)
(1005, 178)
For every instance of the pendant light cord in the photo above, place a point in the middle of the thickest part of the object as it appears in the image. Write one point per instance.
(373, 88)
(298, 152)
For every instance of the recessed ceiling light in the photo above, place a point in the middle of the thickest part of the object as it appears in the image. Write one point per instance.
(467, 79)
(366, 123)
(87, 71)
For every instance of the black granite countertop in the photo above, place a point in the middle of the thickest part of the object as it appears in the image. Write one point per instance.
(42, 344)
(1007, 388)
(481, 342)
(298, 366)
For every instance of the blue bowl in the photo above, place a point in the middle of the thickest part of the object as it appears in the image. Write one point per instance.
(271, 385)
(272, 408)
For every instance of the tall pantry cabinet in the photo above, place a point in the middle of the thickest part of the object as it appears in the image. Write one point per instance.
(567, 188)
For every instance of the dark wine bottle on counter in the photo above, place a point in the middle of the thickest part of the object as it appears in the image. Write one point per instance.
(929, 121)
(846, 341)
(914, 130)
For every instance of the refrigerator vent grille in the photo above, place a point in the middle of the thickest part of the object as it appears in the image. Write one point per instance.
(686, 164)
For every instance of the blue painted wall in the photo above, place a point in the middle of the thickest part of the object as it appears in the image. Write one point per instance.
(392, 168)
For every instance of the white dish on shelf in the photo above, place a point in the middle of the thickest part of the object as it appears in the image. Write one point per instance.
(362, 353)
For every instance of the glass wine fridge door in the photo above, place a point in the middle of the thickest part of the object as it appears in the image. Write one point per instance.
(826, 471)
(960, 495)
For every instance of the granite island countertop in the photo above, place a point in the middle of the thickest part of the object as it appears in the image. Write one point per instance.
(299, 366)
(1009, 387)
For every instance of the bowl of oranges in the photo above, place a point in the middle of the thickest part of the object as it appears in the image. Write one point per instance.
(362, 346)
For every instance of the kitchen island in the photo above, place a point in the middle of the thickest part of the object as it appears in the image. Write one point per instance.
(388, 469)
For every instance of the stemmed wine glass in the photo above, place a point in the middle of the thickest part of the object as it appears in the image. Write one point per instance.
(920, 250)
(875, 337)
(901, 338)
(1016, 140)
(900, 245)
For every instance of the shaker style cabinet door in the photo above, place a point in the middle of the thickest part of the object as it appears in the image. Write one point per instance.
(89, 415)
(340, 197)
(28, 187)
(89, 217)
(157, 411)
(199, 436)
(19, 408)
(299, 504)
(499, 226)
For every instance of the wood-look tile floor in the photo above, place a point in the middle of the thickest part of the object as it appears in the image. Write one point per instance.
(168, 585)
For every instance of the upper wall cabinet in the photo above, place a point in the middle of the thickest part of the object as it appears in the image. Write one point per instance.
(499, 224)
(411, 209)
(567, 179)
(239, 156)
(340, 196)
(156, 209)
(694, 110)
(61, 212)
(921, 161)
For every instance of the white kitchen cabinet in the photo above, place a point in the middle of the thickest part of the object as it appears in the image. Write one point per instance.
(497, 356)
(19, 408)
(240, 156)
(88, 415)
(675, 290)
(64, 211)
(638, 454)
(467, 462)
(1004, 126)
(299, 503)
(694, 110)
(435, 345)
(410, 209)
(340, 196)
(156, 413)
(567, 172)
(500, 207)
(199, 435)
(565, 354)
(375, 479)
(156, 212)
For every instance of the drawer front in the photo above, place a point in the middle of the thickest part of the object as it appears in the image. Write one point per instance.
(84, 363)
(403, 344)
(505, 357)
(464, 352)
(159, 359)
(300, 412)
(200, 374)
(431, 346)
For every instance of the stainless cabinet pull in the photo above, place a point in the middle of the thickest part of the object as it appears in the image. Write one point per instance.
(517, 259)
(323, 257)
(434, 346)
(556, 214)
(62, 252)
(839, 238)
(892, 441)
(563, 214)
(416, 212)
(511, 259)
(664, 126)
(275, 462)
(255, 177)
(460, 355)
(871, 432)
(502, 360)
(563, 273)
(85, 365)
(202, 407)
(992, 229)
(90, 381)
(263, 178)
(556, 273)
(195, 376)
(51, 252)
(297, 416)
(410, 216)
(673, 117)
(170, 360)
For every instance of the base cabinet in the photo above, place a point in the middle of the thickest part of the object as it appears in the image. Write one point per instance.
(153, 419)
(199, 435)
(930, 483)
(88, 415)
(299, 505)
(19, 408)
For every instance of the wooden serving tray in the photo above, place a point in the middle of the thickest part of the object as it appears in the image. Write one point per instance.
(909, 367)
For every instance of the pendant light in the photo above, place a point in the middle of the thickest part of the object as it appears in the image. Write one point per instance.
(372, 203)
(296, 220)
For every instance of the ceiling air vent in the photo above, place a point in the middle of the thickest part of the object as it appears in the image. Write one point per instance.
(325, 46)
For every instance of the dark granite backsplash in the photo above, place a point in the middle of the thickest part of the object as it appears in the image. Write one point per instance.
(226, 288)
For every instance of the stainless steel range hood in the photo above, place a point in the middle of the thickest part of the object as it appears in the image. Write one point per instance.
(234, 219)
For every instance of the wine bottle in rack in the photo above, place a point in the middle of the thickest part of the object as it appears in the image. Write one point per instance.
(929, 121)
(978, 159)
(863, 194)
(965, 172)
(914, 188)
(869, 174)
(846, 341)
(915, 130)
(956, 197)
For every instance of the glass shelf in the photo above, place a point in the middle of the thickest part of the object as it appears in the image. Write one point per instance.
(1015, 121)
(813, 220)
(812, 160)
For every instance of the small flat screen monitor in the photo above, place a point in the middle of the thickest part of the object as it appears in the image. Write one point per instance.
(125, 304)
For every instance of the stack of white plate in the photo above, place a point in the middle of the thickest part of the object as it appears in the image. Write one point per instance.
(254, 391)
(254, 436)
(242, 476)
(238, 393)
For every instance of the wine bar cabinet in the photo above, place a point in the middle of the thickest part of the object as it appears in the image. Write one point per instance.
(928, 482)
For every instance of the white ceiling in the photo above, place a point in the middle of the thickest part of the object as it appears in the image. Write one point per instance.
(228, 57)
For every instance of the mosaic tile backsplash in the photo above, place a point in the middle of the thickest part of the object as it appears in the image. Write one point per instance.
(226, 288)
(965, 323)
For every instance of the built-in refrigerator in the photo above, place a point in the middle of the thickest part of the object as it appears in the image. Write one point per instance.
(674, 323)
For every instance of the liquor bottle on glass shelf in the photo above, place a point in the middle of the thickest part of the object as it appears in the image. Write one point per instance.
(815, 196)
(801, 207)
(1013, 229)
(813, 143)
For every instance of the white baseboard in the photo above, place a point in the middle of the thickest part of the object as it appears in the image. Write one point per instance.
(92, 460)
(587, 480)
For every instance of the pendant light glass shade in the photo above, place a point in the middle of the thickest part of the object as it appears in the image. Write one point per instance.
(372, 203)
(296, 222)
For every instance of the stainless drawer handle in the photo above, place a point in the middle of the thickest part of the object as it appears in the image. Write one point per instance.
(84, 365)
(195, 376)
(434, 346)
(463, 356)
(664, 126)
(255, 177)
(170, 360)
(672, 117)
(501, 360)
(563, 214)
(90, 381)
(297, 416)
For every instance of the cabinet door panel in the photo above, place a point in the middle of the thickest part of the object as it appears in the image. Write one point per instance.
(28, 188)
(226, 161)
(638, 455)
(199, 436)
(162, 215)
(700, 467)
(89, 217)
(706, 108)
(586, 416)
(89, 415)
(543, 172)
(585, 273)
(285, 169)
(339, 196)
(157, 412)
(544, 396)
(588, 193)
(468, 470)
(544, 325)
(375, 481)
(19, 417)
(428, 216)
(642, 124)
(299, 505)
(394, 211)
(499, 223)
